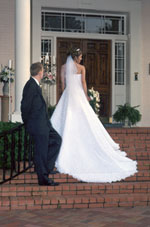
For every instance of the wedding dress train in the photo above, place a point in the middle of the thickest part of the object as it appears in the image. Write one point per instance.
(88, 153)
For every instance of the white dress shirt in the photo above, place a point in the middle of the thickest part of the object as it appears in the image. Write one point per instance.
(36, 81)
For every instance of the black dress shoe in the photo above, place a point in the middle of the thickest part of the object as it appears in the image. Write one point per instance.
(54, 172)
(49, 183)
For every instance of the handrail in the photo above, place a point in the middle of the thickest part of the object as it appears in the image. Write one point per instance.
(16, 153)
(11, 130)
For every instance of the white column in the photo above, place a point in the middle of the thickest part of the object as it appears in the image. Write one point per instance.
(22, 51)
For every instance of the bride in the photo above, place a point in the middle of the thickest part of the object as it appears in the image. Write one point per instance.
(87, 152)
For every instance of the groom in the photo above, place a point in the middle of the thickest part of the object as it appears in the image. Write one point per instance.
(34, 115)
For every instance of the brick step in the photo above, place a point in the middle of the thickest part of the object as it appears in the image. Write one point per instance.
(143, 155)
(135, 138)
(31, 177)
(131, 139)
(75, 189)
(142, 175)
(144, 165)
(134, 131)
(74, 201)
(143, 159)
(127, 147)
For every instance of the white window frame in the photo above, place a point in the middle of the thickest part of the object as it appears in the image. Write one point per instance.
(84, 15)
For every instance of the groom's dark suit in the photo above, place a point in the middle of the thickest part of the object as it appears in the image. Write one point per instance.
(47, 141)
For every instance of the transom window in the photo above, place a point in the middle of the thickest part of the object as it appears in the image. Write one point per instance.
(83, 23)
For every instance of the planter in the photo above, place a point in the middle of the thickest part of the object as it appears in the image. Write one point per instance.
(6, 89)
(126, 123)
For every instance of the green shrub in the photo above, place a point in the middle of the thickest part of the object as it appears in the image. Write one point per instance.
(6, 126)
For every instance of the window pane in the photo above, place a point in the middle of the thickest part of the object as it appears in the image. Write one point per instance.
(113, 25)
(94, 24)
(52, 22)
(74, 23)
(120, 78)
(45, 50)
(120, 48)
(119, 63)
(46, 46)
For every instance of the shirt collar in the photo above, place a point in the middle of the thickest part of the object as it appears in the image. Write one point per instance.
(36, 81)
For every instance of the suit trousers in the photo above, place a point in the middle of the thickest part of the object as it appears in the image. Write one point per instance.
(45, 153)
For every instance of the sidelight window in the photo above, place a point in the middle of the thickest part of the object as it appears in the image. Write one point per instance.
(120, 64)
(46, 50)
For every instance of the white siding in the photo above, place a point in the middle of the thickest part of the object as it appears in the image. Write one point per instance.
(145, 63)
(7, 31)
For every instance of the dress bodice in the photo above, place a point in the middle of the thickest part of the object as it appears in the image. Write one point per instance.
(74, 81)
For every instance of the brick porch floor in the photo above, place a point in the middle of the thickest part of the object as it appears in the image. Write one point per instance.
(97, 217)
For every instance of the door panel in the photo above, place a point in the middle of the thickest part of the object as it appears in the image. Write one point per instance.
(63, 47)
(97, 61)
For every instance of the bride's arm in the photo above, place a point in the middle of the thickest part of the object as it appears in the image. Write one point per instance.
(63, 77)
(84, 82)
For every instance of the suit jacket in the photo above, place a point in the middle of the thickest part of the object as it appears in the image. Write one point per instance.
(34, 110)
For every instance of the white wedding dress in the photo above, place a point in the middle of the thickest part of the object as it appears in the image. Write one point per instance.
(87, 152)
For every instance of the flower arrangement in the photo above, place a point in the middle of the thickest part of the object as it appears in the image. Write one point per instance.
(6, 74)
(49, 78)
(94, 100)
(49, 69)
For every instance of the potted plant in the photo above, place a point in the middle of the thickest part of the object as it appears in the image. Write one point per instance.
(127, 115)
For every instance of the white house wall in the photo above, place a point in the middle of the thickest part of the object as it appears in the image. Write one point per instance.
(135, 55)
(7, 30)
(7, 14)
(145, 63)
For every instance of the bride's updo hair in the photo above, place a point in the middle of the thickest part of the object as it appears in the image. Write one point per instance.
(75, 52)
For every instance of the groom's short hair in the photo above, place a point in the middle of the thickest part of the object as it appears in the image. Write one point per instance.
(36, 68)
